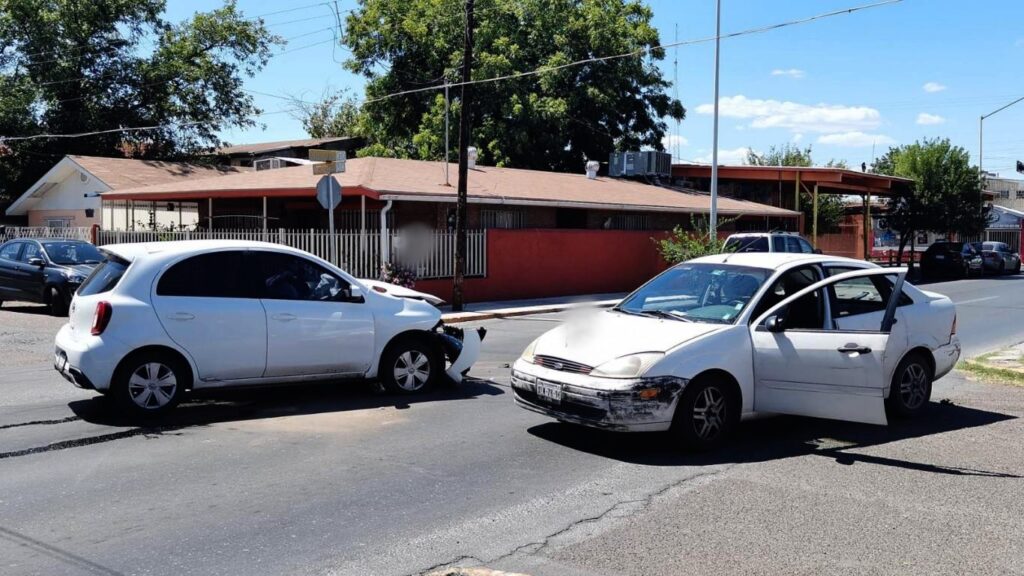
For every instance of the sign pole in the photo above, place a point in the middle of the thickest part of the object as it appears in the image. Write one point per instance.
(330, 224)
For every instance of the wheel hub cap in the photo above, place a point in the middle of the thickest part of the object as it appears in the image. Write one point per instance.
(709, 413)
(412, 370)
(914, 386)
(152, 385)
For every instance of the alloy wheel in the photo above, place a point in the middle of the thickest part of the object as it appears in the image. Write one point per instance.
(152, 385)
(709, 413)
(914, 386)
(412, 370)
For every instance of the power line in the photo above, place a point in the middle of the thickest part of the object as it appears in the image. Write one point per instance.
(639, 51)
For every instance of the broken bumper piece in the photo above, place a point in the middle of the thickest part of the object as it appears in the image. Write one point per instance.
(461, 349)
(636, 405)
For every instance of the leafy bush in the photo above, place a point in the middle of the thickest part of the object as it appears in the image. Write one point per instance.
(683, 245)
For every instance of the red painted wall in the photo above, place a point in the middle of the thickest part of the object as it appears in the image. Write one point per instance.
(543, 263)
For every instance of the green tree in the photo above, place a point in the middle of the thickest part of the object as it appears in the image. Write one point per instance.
(333, 116)
(682, 244)
(71, 66)
(946, 196)
(831, 207)
(554, 120)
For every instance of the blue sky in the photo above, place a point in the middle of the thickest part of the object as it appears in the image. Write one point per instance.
(889, 75)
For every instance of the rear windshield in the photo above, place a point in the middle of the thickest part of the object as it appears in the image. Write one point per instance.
(747, 244)
(105, 277)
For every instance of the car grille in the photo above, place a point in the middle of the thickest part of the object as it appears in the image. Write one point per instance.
(562, 365)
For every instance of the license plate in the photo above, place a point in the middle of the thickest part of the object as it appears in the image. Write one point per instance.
(940, 257)
(550, 392)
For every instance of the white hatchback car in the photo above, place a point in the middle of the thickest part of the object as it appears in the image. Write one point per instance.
(722, 336)
(155, 320)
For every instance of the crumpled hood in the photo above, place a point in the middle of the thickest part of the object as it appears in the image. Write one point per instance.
(606, 335)
(400, 292)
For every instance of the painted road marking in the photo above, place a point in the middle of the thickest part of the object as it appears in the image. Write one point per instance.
(977, 300)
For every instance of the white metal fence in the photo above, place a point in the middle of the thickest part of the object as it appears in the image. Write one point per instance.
(72, 233)
(1009, 236)
(358, 254)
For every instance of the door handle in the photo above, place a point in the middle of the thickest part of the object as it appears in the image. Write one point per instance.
(181, 316)
(284, 317)
(851, 348)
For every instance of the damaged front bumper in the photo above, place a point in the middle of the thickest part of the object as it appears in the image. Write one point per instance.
(635, 405)
(461, 348)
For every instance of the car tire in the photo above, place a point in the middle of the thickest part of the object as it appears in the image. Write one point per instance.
(1002, 268)
(911, 387)
(55, 299)
(410, 365)
(707, 414)
(150, 383)
(1016, 269)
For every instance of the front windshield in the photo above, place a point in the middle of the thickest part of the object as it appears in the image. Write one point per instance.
(68, 253)
(715, 293)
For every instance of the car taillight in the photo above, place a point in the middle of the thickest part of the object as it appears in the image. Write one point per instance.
(101, 318)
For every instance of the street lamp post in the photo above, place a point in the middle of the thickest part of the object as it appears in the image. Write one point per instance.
(714, 138)
(981, 140)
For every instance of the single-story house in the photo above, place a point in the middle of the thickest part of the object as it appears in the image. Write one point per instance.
(414, 191)
(68, 195)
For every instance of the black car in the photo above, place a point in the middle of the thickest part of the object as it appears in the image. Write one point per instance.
(46, 270)
(956, 259)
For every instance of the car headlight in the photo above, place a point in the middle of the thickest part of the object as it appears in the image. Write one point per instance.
(630, 366)
(527, 355)
(73, 277)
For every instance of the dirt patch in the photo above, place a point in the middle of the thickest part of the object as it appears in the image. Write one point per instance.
(27, 332)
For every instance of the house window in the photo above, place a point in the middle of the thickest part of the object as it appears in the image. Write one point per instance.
(59, 222)
(1004, 193)
(627, 222)
(502, 218)
(1020, 194)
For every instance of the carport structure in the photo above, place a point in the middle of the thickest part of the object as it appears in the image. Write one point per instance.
(781, 186)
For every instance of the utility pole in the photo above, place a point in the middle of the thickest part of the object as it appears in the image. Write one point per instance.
(464, 117)
(981, 144)
(447, 107)
(714, 141)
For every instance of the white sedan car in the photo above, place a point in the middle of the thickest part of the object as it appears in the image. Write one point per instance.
(715, 338)
(155, 320)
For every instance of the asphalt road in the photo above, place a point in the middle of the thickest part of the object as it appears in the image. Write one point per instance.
(341, 480)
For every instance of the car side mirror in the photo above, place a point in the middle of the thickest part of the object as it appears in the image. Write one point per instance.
(36, 262)
(352, 294)
(818, 251)
(775, 323)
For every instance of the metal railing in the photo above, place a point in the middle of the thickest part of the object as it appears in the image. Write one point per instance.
(71, 233)
(358, 254)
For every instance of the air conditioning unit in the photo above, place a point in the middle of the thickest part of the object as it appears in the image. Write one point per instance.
(267, 164)
(646, 163)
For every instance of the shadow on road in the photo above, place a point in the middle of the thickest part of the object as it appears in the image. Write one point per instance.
(213, 406)
(35, 309)
(782, 437)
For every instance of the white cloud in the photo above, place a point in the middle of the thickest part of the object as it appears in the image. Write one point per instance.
(799, 118)
(794, 73)
(855, 139)
(797, 138)
(926, 119)
(933, 87)
(670, 141)
(732, 157)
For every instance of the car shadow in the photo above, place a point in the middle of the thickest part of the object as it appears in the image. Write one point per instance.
(202, 408)
(37, 309)
(773, 438)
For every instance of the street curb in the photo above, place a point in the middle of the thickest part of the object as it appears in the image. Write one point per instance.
(462, 317)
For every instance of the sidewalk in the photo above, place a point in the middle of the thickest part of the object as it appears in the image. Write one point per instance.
(509, 308)
(1006, 364)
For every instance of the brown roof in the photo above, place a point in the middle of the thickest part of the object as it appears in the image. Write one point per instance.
(391, 178)
(121, 173)
(263, 147)
(830, 180)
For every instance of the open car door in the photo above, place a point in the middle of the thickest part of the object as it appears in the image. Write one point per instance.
(812, 368)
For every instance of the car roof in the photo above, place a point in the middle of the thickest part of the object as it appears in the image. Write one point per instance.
(773, 260)
(179, 247)
(755, 234)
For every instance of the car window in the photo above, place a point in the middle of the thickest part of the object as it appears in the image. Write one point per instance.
(856, 296)
(805, 246)
(104, 277)
(779, 244)
(789, 283)
(747, 244)
(31, 251)
(211, 275)
(10, 251)
(280, 276)
(805, 313)
(66, 253)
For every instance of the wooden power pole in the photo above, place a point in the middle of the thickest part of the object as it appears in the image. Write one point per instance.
(464, 118)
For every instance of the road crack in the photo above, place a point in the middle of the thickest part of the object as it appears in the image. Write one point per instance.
(40, 422)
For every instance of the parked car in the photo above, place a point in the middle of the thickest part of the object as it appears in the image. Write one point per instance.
(951, 259)
(769, 242)
(156, 320)
(715, 338)
(45, 271)
(998, 257)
